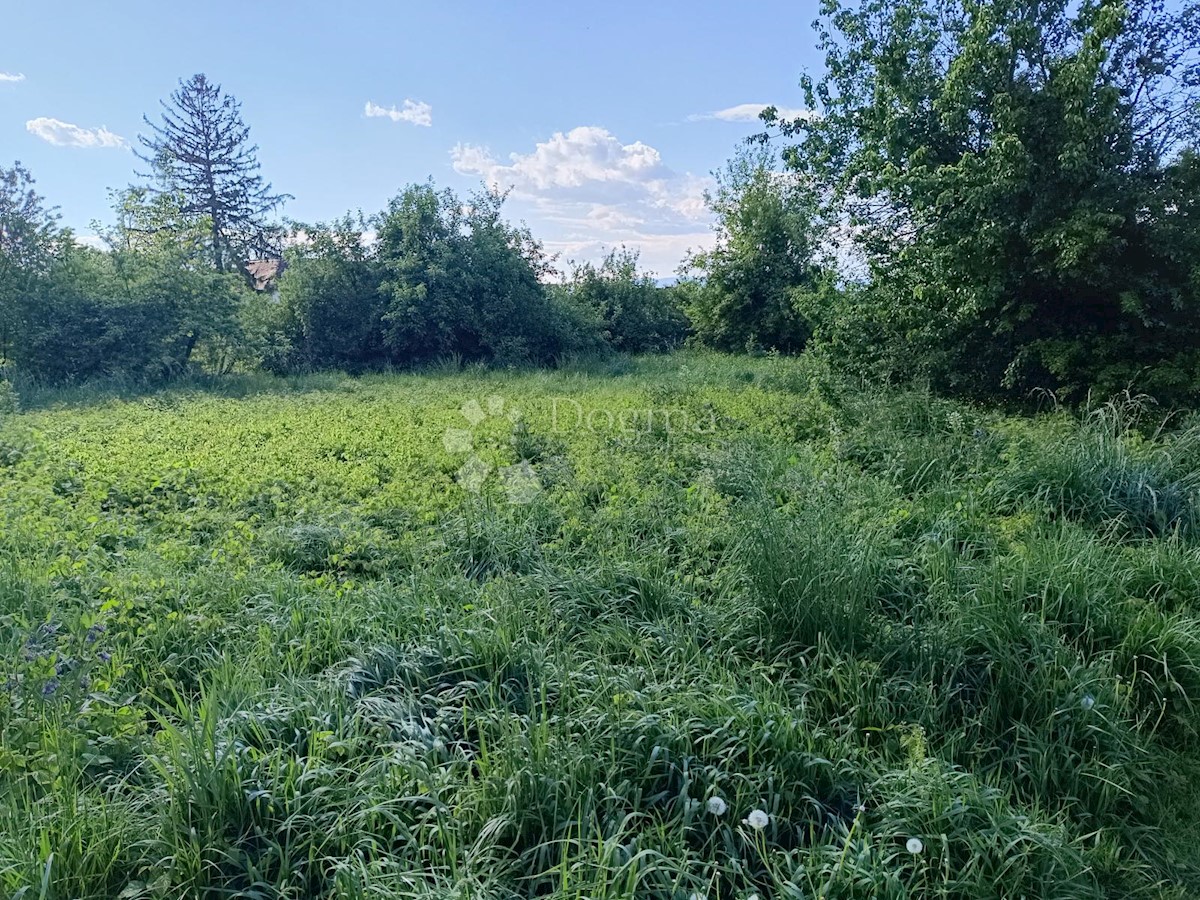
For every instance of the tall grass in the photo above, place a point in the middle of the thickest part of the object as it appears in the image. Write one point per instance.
(260, 642)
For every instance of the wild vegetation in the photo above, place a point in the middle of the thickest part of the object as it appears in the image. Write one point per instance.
(266, 639)
(402, 574)
(991, 198)
(1021, 180)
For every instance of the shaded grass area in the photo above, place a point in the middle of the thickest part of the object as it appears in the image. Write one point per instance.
(267, 643)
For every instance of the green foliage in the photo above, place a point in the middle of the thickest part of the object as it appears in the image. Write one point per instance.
(460, 280)
(9, 401)
(142, 310)
(330, 300)
(751, 284)
(154, 221)
(635, 315)
(1109, 477)
(29, 236)
(1021, 180)
(439, 279)
(138, 314)
(267, 637)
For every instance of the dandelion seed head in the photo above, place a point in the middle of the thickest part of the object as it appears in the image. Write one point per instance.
(717, 806)
(757, 819)
(1087, 702)
(914, 845)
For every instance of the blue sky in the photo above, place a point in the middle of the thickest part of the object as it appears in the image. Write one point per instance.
(605, 119)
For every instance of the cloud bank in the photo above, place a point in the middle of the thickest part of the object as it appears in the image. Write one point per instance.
(598, 193)
(10, 77)
(64, 134)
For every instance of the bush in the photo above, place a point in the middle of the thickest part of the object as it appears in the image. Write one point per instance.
(130, 313)
(632, 313)
(330, 299)
(748, 289)
(459, 280)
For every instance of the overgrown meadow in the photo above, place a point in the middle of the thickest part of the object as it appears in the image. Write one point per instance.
(677, 627)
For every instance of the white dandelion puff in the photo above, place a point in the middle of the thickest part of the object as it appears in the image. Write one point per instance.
(717, 806)
(757, 820)
(914, 846)
(1087, 702)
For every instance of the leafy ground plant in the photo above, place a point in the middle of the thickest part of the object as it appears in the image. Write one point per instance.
(744, 631)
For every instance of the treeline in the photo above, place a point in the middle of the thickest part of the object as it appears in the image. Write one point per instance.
(176, 286)
(434, 277)
(429, 278)
(993, 198)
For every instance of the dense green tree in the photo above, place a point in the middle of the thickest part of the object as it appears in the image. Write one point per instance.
(29, 239)
(461, 280)
(633, 313)
(151, 237)
(1020, 177)
(767, 252)
(138, 314)
(200, 154)
(330, 299)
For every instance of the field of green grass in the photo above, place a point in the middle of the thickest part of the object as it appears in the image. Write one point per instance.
(675, 627)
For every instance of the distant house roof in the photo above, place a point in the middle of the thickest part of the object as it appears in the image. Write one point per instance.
(264, 273)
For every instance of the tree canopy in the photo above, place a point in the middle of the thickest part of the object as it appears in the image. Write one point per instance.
(201, 155)
(767, 255)
(1021, 176)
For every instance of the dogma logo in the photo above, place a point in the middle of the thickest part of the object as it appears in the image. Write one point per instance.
(519, 481)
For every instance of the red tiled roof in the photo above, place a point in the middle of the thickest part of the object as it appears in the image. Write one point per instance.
(264, 272)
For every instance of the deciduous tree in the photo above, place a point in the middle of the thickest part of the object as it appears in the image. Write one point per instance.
(29, 236)
(767, 253)
(1022, 179)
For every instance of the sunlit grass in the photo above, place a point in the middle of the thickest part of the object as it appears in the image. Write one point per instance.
(790, 639)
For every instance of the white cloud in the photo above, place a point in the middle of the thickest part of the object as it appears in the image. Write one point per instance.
(64, 134)
(597, 192)
(10, 77)
(415, 111)
(749, 112)
(91, 240)
(660, 254)
(574, 159)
